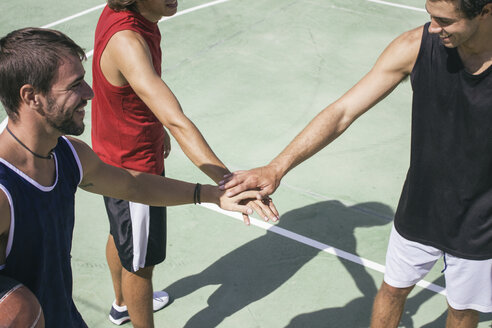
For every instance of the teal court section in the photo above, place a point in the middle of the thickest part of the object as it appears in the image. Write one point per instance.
(251, 75)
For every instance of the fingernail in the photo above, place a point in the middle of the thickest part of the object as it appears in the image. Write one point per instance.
(221, 187)
(250, 211)
(228, 194)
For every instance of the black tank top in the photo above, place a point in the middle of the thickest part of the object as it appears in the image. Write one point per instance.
(446, 201)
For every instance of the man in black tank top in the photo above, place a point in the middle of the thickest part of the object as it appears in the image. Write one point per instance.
(446, 203)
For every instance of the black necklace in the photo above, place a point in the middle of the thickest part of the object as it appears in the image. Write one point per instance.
(50, 156)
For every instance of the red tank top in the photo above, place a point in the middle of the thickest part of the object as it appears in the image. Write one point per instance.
(125, 132)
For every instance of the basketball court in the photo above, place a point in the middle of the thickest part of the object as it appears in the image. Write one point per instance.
(251, 75)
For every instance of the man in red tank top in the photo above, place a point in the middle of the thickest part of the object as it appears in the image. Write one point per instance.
(131, 105)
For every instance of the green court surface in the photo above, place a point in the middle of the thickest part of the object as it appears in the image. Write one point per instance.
(251, 75)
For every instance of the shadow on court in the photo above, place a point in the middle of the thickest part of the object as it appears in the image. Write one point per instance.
(361, 308)
(260, 266)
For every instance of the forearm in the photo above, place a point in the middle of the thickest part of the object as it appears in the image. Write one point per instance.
(198, 151)
(155, 190)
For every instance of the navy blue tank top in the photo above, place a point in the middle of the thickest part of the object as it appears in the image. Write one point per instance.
(40, 238)
(446, 201)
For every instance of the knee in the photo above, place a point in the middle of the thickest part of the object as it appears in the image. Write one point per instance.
(462, 315)
(145, 273)
(395, 292)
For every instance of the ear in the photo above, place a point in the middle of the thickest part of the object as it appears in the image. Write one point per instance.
(487, 10)
(29, 96)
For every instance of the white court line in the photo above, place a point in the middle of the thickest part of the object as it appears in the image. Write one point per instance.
(322, 247)
(186, 11)
(189, 10)
(204, 6)
(89, 53)
(264, 225)
(397, 5)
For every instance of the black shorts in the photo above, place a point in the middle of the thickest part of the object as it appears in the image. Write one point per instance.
(139, 232)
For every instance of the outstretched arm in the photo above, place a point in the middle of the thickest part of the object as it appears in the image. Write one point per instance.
(127, 60)
(394, 64)
(150, 189)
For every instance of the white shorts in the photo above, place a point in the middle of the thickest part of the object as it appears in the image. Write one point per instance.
(468, 282)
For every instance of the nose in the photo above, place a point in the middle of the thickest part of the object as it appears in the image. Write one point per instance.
(434, 27)
(87, 91)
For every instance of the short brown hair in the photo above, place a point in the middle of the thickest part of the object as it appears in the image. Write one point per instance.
(31, 56)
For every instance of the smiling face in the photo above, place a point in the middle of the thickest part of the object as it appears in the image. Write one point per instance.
(450, 24)
(154, 10)
(64, 104)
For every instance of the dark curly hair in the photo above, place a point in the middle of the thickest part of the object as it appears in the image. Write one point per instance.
(469, 8)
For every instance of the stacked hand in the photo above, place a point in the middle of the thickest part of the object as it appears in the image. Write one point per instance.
(263, 181)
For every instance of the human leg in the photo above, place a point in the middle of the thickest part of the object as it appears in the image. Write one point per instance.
(407, 262)
(469, 290)
(115, 269)
(388, 306)
(137, 292)
(136, 244)
(461, 318)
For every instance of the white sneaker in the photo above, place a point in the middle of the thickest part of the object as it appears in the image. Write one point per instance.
(161, 299)
(119, 314)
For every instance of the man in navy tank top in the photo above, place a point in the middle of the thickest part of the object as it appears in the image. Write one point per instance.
(445, 209)
(43, 91)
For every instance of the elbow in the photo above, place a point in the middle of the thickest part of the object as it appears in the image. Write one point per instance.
(343, 118)
(178, 126)
(133, 188)
(345, 122)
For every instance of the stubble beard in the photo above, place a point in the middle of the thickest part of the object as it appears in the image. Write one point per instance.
(63, 122)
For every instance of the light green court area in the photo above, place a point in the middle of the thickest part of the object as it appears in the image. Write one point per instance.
(251, 75)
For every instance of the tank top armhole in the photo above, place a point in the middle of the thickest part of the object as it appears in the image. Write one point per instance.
(425, 35)
(97, 56)
(12, 224)
(76, 157)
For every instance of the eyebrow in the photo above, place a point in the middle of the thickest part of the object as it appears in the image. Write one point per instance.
(78, 79)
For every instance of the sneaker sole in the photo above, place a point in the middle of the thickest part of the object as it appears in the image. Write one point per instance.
(119, 321)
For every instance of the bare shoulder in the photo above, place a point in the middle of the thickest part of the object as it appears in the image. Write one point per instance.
(402, 53)
(127, 52)
(127, 41)
(85, 153)
(411, 38)
(78, 145)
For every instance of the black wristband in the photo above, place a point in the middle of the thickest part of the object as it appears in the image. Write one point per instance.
(196, 194)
